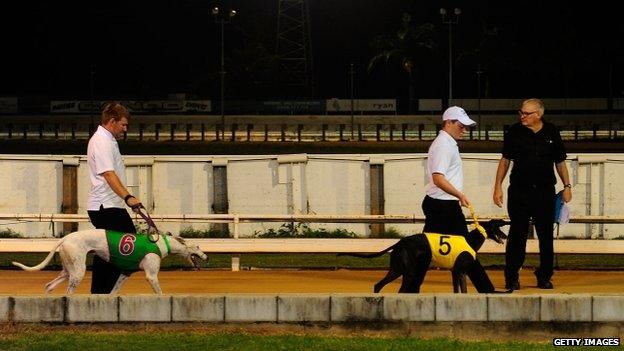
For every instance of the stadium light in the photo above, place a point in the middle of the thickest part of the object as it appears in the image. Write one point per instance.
(450, 22)
(222, 19)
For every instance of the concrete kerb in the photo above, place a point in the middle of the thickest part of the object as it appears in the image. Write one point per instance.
(566, 308)
(198, 308)
(607, 308)
(298, 308)
(513, 308)
(409, 307)
(305, 308)
(5, 308)
(38, 309)
(145, 308)
(251, 308)
(92, 308)
(461, 307)
(356, 307)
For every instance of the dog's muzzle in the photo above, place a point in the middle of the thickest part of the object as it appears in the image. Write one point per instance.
(196, 260)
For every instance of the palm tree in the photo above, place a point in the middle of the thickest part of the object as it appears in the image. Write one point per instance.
(409, 47)
(490, 55)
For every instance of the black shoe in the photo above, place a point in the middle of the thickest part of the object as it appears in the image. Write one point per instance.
(545, 284)
(514, 285)
(542, 283)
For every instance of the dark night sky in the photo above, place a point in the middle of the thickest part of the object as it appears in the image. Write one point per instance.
(145, 49)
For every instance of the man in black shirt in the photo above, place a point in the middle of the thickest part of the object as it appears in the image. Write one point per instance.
(533, 145)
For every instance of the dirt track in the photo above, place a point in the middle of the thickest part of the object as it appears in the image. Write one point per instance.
(13, 282)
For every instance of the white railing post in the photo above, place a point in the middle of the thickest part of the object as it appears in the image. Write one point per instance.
(235, 225)
(236, 257)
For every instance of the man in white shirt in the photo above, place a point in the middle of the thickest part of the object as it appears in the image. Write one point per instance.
(444, 189)
(108, 192)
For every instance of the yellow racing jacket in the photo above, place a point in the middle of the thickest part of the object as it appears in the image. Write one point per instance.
(445, 248)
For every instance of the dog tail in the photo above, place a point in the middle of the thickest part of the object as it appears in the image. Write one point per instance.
(373, 255)
(44, 263)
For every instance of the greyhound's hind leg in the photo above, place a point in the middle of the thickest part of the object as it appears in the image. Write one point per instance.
(413, 278)
(74, 280)
(120, 281)
(463, 261)
(390, 276)
(416, 263)
(76, 267)
(55, 282)
(459, 282)
(397, 268)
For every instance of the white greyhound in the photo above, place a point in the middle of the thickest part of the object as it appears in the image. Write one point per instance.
(75, 246)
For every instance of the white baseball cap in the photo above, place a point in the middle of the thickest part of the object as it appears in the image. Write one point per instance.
(457, 113)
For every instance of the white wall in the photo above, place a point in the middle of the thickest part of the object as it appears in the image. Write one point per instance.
(338, 186)
(320, 184)
(254, 187)
(404, 183)
(31, 186)
(180, 187)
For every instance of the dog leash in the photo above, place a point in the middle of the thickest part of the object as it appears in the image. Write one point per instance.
(150, 222)
(476, 222)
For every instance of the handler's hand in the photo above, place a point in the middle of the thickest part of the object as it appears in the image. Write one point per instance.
(498, 197)
(463, 200)
(137, 208)
(567, 195)
(134, 203)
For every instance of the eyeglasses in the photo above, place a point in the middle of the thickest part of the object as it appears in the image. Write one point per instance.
(525, 113)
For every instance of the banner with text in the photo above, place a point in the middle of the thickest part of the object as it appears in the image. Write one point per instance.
(361, 105)
(134, 106)
(293, 106)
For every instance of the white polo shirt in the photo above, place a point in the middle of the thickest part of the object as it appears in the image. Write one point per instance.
(103, 155)
(443, 157)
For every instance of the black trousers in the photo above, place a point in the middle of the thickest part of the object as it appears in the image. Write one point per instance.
(524, 203)
(105, 274)
(444, 217)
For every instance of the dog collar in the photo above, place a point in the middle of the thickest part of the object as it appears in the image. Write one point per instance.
(167, 244)
(481, 230)
(476, 223)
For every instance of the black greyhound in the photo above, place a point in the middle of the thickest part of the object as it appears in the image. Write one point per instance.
(412, 255)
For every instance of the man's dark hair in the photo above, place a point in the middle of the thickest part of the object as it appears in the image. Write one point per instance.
(115, 111)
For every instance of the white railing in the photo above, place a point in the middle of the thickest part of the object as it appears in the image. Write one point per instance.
(235, 219)
(305, 245)
(238, 245)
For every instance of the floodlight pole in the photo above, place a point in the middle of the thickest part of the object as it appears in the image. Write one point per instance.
(222, 74)
(450, 23)
(222, 19)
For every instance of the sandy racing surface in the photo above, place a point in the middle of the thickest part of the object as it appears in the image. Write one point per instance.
(14, 282)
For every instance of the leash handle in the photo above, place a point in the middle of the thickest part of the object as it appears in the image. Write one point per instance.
(476, 222)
